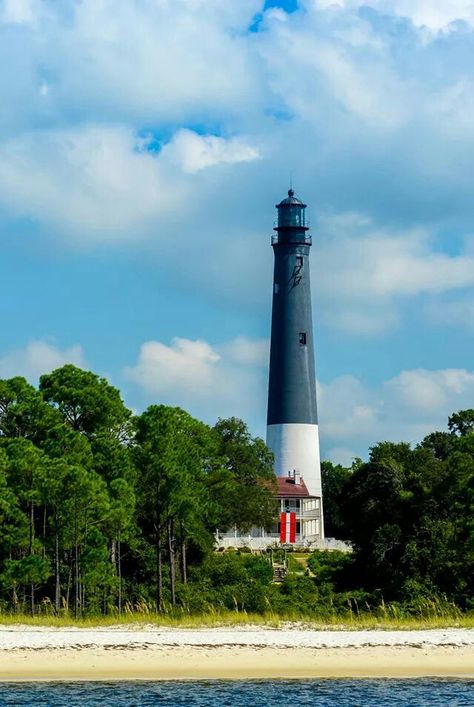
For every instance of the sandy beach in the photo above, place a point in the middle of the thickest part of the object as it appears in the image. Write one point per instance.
(35, 653)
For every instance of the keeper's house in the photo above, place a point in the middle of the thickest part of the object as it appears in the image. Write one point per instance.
(299, 522)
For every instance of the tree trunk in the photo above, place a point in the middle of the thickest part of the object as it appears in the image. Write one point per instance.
(32, 533)
(76, 569)
(119, 572)
(159, 569)
(184, 566)
(172, 562)
(57, 574)
(44, 533)
(69, 581)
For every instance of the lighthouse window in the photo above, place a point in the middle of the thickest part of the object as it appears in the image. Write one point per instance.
(299, 261)
(276, 288)
(302, 338)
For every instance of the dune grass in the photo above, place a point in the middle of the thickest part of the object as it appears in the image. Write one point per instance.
(235, 619)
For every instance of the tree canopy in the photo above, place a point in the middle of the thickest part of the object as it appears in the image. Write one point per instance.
(100, 508)
(105, 511)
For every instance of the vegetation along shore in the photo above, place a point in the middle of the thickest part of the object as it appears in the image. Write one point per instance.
(109, 514)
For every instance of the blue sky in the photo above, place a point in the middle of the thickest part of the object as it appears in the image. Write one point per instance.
(143, 146)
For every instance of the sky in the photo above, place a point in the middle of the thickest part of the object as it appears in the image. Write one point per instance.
(143, 147)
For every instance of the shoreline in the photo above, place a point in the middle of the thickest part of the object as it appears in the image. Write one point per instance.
(42, 654)
(62, 665)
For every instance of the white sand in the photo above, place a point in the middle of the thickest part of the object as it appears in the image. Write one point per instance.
(14, 637)
(150, 653)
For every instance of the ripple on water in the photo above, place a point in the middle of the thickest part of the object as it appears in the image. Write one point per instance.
(250, 693)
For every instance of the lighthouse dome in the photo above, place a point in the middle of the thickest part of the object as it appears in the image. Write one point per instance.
(291, 200)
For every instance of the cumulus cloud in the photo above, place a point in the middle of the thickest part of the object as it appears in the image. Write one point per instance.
(185, 365)
(38, 357)
(164, 60)
(354, 416)
(362, 271)
(247, 351)
(429, 391)
(102, 182)
(196, 152)
(219, 381)
(432, 14)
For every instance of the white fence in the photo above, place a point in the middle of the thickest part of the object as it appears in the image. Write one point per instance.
(226, 541)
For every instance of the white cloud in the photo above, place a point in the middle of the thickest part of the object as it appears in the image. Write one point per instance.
(20, 11)
(38, 357)
(102, 183)
(210, 381)
(430, 391)
(362, 272)
(86, 181)
(156, 60)
(186, 365)
(247, 351)
(434, 14)
(196, 152)
(342, 67)
(354, 416)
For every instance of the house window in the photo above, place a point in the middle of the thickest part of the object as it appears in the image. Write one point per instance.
(302, 336)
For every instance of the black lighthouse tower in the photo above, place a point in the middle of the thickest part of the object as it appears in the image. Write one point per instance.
(292, 422)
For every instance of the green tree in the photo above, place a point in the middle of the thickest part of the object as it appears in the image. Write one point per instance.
(24, 471)
(171, 457)
(442, 444)
(246, 493)
(23, 412)
(334, 479)
(14, 532)
(87, 402)
(87, 506)
(120, 525)
(461, 423)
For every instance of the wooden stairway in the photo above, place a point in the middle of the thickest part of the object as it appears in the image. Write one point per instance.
(279, 573)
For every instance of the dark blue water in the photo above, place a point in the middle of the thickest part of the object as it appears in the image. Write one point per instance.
(261, 693)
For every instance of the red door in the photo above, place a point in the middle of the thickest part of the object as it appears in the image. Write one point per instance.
(288, 527)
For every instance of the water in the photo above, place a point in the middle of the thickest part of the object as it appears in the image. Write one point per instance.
(249, 693)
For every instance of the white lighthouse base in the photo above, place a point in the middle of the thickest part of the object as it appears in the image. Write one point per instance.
(296, 450)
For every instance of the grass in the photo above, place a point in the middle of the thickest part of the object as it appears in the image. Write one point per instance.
(234, 619)
(297, 562)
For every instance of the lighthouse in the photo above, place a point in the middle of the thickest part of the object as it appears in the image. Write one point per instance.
(292, 419)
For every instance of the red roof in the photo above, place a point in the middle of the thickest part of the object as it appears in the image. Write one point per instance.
(287, 488)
